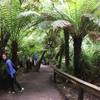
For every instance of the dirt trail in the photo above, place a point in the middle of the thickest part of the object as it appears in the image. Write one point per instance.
(38, 86)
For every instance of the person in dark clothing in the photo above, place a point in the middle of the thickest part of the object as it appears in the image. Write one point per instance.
(11, 74)
(35, 58)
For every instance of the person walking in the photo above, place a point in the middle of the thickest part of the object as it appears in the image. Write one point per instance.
(11, 72)
(35, 58)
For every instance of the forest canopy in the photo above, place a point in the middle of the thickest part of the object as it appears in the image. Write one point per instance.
(68, 29)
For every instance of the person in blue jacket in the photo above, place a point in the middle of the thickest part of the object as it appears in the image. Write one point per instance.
(35, 58)
(11, 74)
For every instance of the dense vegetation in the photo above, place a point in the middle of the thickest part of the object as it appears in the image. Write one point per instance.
(65, 32)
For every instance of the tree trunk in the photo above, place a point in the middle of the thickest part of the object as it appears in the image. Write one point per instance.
(60, 55)
(57, 55)
(14, 50)
(6, 37)
(77, 55)
(81, 94)
(40, 61)
(21, 1)
(66, 37)
(77, 58)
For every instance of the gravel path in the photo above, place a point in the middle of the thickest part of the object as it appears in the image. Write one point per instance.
(38, 86)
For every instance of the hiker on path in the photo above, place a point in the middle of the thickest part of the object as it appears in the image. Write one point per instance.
(11, 72)
(35, 58)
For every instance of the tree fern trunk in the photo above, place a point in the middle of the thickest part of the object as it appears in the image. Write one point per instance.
(57, 55)
(77, 55)
(40, 61)
(60, 55)
(77, 58)
(14, 49)
(66, 38)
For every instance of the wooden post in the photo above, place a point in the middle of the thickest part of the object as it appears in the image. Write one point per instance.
(65, 98)
(55, 76)
(81, 94)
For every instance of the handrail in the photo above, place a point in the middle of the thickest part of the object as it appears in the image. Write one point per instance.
(93, 89)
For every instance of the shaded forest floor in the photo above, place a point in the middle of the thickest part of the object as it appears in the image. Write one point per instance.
(38, 86)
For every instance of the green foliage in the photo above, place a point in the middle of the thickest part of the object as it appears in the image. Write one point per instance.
(33, 23)
(32, 43)
(8, 15)
(90, 62)
(96, 59)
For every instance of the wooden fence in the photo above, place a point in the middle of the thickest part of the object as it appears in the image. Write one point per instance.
(83, 85)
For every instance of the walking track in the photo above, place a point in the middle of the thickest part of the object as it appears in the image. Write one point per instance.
(38, 86)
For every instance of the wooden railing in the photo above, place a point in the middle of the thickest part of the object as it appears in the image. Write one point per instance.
(93, 89)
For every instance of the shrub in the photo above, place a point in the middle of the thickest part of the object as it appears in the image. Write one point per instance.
(90, 62)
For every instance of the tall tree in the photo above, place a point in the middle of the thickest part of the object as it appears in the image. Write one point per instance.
(12, 24)
(75, 12)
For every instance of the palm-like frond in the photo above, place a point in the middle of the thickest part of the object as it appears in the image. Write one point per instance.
(8, 13)
(60, 24)
(89, 23)
(72, 11)
(28, 13)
